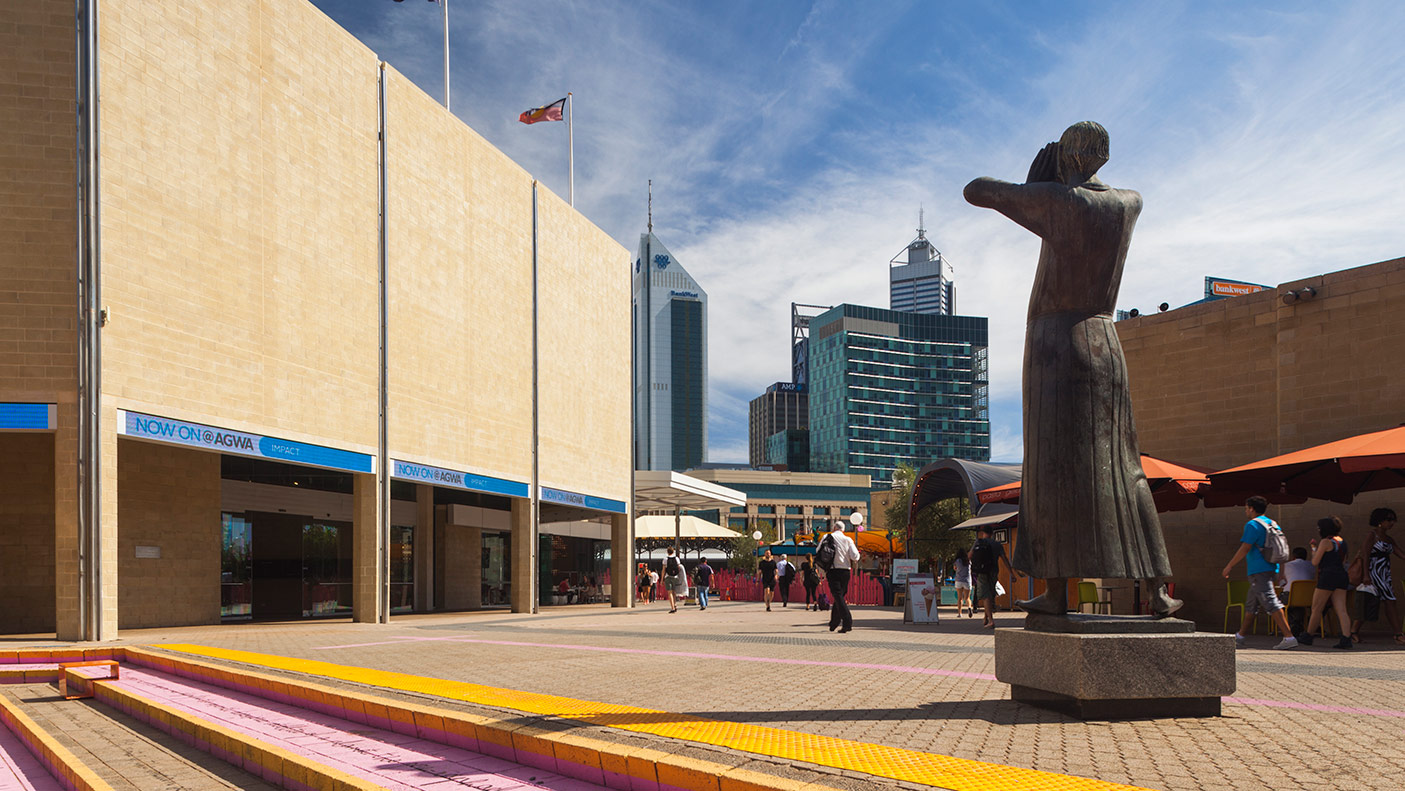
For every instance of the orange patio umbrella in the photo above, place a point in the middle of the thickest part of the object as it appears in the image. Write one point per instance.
(1174, 487)
(1336, 471)
(878, 542)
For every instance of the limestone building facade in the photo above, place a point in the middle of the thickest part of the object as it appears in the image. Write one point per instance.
(326, 318)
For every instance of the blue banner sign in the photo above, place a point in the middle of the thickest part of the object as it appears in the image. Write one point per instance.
(195, 435)
(563, 497)
(423, 473)
(28, 417)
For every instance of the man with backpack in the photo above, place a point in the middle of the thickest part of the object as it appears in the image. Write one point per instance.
(1262, 547)
(674, 583)
(986, 556)
(837, 555)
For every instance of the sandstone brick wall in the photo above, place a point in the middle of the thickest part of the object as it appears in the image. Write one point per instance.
(240, 196)
(26, 533)
(1229, 382)
(168, 498)
(585, 374)
(38, 285)
(461, 298)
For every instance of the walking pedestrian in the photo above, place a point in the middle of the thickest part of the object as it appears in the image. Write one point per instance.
(810, 580)
(653, 586)
(767, 571)
(785, 574)
(1261, 573)
(962, 564)
(674, 583)
(986, 556)
(1378, 547)
(702, 578)
(641, 588)
(846, 555)
(1332, 583)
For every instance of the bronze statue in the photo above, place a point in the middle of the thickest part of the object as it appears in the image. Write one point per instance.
(1085, 509)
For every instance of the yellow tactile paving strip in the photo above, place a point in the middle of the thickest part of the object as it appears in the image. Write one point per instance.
(957, 774)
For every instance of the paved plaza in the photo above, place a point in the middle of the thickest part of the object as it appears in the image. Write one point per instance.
(1311, 718)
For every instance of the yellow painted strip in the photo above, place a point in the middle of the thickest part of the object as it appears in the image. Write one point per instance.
(957, 774)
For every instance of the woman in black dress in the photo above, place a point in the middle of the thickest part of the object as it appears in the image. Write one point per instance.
(811, 580)
(1332, 584)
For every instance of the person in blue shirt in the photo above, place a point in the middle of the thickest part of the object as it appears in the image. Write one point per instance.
(1261, 574)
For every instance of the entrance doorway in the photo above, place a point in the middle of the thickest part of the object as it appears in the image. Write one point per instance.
(283, 567)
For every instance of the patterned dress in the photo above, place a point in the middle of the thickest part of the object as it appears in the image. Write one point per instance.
(1378, 567)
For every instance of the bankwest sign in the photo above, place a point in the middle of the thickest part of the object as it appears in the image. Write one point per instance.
(1215, 287)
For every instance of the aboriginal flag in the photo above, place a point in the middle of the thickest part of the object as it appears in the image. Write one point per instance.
(550, 112)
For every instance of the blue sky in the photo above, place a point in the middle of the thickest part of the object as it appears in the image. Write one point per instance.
(791, 143)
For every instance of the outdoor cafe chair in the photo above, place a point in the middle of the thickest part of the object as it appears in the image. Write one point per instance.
(1300, 595)
(1088, 594)
(1237, 594)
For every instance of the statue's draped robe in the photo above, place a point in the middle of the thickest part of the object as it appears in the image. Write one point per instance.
(1085, 509)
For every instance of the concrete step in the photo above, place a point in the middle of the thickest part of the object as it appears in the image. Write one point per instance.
(296, 747)
(128, 754)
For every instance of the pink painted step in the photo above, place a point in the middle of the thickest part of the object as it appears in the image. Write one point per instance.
(393, 760)
(19, 769)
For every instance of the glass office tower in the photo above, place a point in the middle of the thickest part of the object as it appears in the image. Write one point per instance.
(920, 280)
(670, 362)
(889, 387)
(784, 405)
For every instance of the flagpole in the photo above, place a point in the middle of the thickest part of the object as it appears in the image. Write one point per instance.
(570, 150)
(445, 4)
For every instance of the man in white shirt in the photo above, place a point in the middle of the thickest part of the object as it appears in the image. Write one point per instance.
(785, 574)
(846, 556)
(1299, 568)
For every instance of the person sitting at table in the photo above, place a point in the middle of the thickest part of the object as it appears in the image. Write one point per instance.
(1296, 570)
(565, 590)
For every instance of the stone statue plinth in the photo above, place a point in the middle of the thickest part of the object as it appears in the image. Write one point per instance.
(1109, 667)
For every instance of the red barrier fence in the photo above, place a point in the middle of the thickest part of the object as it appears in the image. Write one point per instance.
(864, 588)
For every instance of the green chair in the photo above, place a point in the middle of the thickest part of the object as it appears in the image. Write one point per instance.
(1088, 594)
(1238, 596)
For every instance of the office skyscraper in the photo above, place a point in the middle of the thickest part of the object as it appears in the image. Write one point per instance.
(784, 406)
(920, 279)
(889, 387)
(670, 361)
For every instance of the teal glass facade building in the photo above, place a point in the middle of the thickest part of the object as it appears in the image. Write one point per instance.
(889, 386)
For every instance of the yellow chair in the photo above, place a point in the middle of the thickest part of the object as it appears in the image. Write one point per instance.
(1237, 594)
(1300, 595)
(1088, 594)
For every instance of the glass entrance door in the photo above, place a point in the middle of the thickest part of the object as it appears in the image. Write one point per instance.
(326, 570)
(236, 569)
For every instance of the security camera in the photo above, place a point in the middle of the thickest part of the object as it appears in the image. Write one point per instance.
(1163, 307)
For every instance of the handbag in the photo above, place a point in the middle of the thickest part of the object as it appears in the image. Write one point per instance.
(1356, 572)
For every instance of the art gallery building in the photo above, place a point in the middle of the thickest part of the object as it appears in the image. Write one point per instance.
(280, 337)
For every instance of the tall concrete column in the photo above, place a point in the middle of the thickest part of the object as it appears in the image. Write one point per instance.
(367, 569)
(108, 555)
(524, 557)
(68, 620)
(424, 547)
(621, 562)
